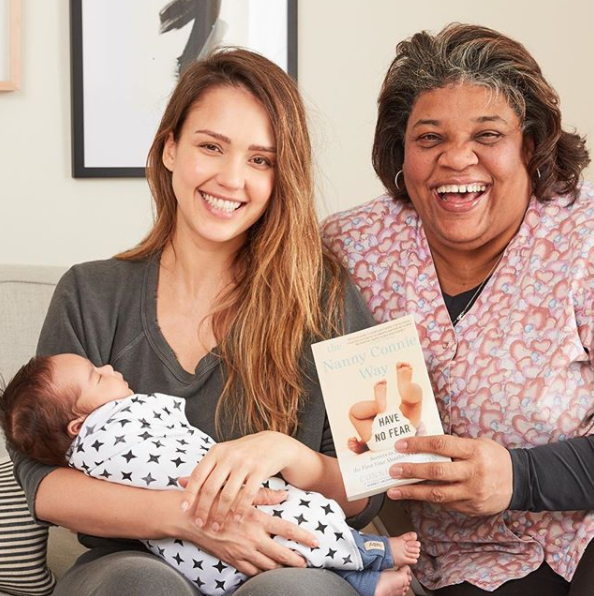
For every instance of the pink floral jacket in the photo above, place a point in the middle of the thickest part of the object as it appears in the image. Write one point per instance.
(518, 368)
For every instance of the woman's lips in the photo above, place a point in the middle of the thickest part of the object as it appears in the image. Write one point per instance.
(224, 205)
(460, 198)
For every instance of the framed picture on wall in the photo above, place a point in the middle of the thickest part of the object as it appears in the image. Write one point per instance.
(10, 45)
(126, 58)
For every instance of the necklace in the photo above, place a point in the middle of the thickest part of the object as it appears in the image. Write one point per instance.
(478, 291)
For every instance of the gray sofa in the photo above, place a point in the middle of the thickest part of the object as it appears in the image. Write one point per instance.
(25, 292)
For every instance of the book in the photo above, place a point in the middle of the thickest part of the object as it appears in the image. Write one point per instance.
(376, 390)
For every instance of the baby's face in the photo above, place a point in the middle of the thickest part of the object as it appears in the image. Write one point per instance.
(97, 385)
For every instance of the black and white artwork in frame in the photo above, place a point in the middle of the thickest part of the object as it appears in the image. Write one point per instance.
(127, 55)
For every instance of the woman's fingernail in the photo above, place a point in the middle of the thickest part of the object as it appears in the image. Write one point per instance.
(199, 522)
(237, 517)
(401, 445)
(396, 471)
(185, 505)
(215, 526)
(395, 493)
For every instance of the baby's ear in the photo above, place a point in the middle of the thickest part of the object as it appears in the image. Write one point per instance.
(75, 425)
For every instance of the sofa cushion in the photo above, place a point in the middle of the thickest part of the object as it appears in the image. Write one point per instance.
(25, 293)
(23, 543)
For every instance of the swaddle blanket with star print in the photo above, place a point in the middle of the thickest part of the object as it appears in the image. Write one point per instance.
(146, 441)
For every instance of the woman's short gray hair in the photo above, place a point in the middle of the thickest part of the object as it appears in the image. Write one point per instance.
(478, 56)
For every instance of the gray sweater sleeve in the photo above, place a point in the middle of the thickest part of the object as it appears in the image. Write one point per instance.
(555, 477)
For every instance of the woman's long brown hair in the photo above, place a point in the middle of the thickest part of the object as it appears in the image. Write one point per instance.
(286, 287)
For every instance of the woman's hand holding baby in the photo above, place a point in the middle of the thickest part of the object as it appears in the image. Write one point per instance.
(247, 545)
(228, 480)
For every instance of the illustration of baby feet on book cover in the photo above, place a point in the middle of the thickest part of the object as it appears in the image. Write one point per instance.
(377, 391)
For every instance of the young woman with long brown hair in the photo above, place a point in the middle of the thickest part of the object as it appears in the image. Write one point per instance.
(218, 304)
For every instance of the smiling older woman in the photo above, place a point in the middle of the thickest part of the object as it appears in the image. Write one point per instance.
(487, 238)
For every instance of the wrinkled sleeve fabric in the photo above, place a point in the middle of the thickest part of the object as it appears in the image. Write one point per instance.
(555, 477)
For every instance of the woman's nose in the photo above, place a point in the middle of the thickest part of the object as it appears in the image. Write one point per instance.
(232, 174)
(458, 156)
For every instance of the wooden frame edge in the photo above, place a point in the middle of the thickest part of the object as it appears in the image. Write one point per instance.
(15, 23)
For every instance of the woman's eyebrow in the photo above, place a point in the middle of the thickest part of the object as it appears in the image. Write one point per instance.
(215, 135)
(262, 148)
(427, 122)
(482, 119)
(225, 139)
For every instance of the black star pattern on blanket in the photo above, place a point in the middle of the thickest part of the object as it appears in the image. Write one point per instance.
(146, 441)
(96, 445)
(129, 456)
(148, 479)
(321, 527)
(300, 519)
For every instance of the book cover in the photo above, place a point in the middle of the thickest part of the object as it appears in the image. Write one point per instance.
(376, 390)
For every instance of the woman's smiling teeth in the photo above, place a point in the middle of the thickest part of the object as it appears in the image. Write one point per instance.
(221, 204)
(460, 193)
(461, 188)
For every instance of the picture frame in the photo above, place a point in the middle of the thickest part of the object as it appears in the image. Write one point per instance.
(125, 56)
(10, 45)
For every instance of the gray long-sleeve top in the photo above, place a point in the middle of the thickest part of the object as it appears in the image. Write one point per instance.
(106, 311)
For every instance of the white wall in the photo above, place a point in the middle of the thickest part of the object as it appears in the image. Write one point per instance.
(345, 46)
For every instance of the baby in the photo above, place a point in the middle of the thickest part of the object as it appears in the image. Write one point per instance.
(63, 410)
(363, 413)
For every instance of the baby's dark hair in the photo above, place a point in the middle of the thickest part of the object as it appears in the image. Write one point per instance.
(35, 423)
